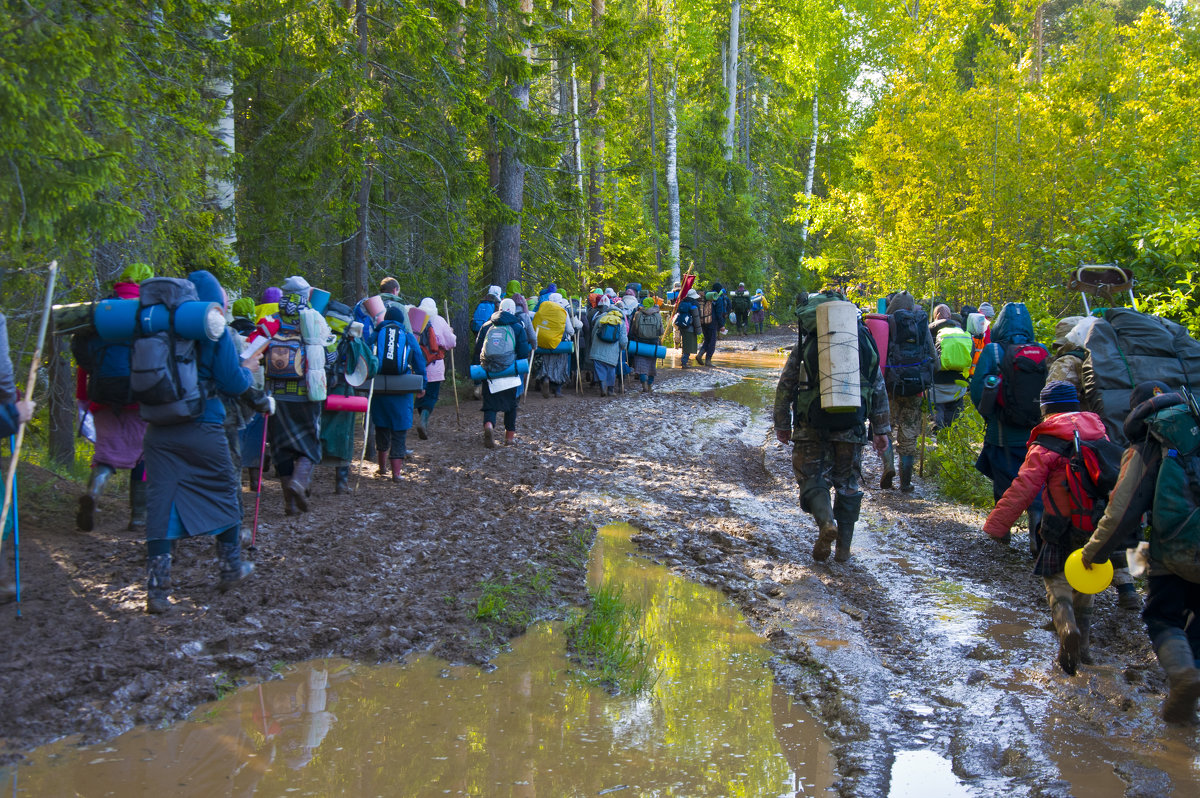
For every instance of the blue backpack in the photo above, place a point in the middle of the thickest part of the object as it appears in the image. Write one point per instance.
(391, 346)
(107, 367)
(483, 313)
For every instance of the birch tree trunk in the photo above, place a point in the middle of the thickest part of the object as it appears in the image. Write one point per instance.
(221, 188)
(808, 177)
(653, 163)
(595, 190)
(672, 177)
(731, 77)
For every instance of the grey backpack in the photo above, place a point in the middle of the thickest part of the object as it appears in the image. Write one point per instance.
(163, 373)
(499, 350)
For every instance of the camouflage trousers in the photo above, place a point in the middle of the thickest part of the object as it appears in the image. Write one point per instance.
(1059, 589)
(906, 423)
(818, 463)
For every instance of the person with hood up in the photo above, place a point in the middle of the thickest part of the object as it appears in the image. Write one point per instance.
(502, 394)
(1172, 611)
(119, 427)
(687, 320)
(909, 374)
(988, 314)
(193, 490)
(392, 413)
(1045, 469)
(1008, 428)
(435, 367)
(607, 355)
(646, 327)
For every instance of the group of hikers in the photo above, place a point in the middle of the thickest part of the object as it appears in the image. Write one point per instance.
(1097, 455)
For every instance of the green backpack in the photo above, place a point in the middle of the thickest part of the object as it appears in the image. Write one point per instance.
(955, 349)
(1175, 515)
(807, 404)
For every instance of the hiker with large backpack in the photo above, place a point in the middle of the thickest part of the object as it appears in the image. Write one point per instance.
(436, 340)
(954, 351)
(555, 325)
(828, 445)
(102, 385)
(1008, 379)
(910, 366)
(501, 344)
(192, 489)
(399, 353)
(1060, 450)
(740, 305)
(1160, 474)
(758, 310)
(714, 309)
(646, 327)
(687, 321)
(609, 340)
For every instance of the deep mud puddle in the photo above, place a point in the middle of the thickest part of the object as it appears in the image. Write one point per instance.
(713, 724)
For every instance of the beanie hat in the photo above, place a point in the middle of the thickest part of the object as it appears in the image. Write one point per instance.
(243, 308)
(603, 302)
(135, 273)
(1147, 390)
(395, 313)
(1059, 396)
(494, 290)
(296, 285)
(271, 294)
(987, 311)
(647, 302)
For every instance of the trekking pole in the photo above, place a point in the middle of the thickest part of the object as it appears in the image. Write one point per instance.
(30, 384)
(362, 461)
(578, 343)
(921, 463)
(453, 373)
(16, 533)
(262, 461)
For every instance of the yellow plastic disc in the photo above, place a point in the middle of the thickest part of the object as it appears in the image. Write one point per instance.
(1085, 580)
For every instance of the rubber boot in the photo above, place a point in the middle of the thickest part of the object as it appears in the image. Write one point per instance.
(489, 440)
(649, 386)
(1183, 679)
(708, 360)
(85, 516)
(1068, 636)
(1128, 598)
(254, 477)
(158, 584)
(1035, 535)
(382, 459)
(845, 513)
(645, 385)
(137, 505)
(1083, 619)
(342, 480)
(298, 485)
(233, 570)
(397, 467)
(421, 425)
(545, 389)
(289, 507)
(906, 469)
(558, 391)
(510, 437)
(889, 468)
(817, 503)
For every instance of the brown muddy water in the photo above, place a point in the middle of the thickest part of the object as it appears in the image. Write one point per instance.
(713, 724)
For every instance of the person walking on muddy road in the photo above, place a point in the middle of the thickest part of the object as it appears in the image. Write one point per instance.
(13, 413)
(954, 352)
(714, 310)
(609, 340)
(436, 341)
(911, 363)
(1005, 388)
(399, 353)
(827, 447)
(740, 305)
(687, 321)
(1157, 477)
(501, 344)
(758, 310)
(646, 327)
(1065, 525)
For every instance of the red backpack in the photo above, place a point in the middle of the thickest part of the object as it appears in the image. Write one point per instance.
(430, 347)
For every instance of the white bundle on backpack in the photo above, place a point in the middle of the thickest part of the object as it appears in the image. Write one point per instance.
(314, 331)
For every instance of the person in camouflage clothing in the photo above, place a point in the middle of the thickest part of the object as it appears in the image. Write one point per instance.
(821, 455)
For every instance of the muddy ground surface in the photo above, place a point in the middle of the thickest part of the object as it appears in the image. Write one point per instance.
(929, 639)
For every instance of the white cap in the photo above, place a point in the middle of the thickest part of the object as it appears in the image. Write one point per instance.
(494, 290)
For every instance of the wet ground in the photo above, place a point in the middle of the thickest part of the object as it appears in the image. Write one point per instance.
(924, 657)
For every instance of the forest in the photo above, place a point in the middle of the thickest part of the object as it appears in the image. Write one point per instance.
(971, 150)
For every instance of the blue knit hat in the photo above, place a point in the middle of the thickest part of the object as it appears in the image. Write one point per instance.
(1059, 396)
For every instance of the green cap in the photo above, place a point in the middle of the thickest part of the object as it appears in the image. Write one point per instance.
(136, 273)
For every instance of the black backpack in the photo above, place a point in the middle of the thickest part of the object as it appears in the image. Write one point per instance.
(164, 377)
(1022, 377)
(911, 361)
(391, 344)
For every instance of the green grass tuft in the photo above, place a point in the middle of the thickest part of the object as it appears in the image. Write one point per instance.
(606, 639)
(513, 603)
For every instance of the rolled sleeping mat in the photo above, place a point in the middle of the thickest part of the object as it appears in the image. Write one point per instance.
(318, 300)
(122, 319)
(374, 307)
(640, 349)
(350, 404)
(314, 377)
(565, 346)
(880, 329)
(73, 318)
(399, 383)
(521, 366)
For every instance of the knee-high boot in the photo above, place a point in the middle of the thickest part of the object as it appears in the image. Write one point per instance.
(817, 503)
(906, 469)
(1083, 619)
(85, 516)
(233, 569)
(1183, 679)
(342, 480)
(889, 467)
(1068, 636)
(158, 584)
(297, 486)
(845, 513)
(137, 504)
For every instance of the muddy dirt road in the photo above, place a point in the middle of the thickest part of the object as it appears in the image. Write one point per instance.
(925, 651)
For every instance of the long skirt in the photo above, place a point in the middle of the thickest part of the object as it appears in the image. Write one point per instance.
(689, 343)
(556, 368)
(295, 431)
(606, 374)
(392, 411)
(645, 366)
(192, 488)
(119, 434)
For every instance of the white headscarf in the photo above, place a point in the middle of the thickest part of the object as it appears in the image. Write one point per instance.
(429, 306)
(507, 305)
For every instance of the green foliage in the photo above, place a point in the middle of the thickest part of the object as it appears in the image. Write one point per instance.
(512, 603)
(607, 640)
(953, 460)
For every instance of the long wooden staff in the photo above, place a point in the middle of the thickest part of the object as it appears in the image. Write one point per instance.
(30, 384)
(362, 461)
(453, 371)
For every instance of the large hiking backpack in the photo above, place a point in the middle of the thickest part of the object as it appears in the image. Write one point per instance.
(1022, 377)
(955, 349)
(107, 367)
(706, 312)
(741, 304)
(683, 317)
(647, 326)
(608, 326)
(286, 359)
(806, 406)
(430, 347)
(550, 323)
(910, 360)
(1092, 470)
(164, 377)
(483, 312)
(1175, 514)
(499, 350)
(391, 346)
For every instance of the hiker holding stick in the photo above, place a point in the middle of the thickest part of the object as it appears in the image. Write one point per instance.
(14, 413)
(435, 341)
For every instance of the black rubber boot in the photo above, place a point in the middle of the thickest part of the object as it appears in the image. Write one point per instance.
(1035, 536)
(158, 584)
(1128, 598)
(233, 570)
(906, 471)
(845, 513)
(422, 420)
(817, 503)
(297, 486)
(889, 468)
(1083, 619)
(1183, 679)
(137, 505)
(1068, 636)
(85, 517)
(342, 480)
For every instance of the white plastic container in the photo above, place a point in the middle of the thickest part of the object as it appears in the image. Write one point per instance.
(837, 356)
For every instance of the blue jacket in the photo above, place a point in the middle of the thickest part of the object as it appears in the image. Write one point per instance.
(1013, 325)
(218, 364)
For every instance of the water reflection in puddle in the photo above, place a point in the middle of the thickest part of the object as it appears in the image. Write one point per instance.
(714, 723)
(921, 774)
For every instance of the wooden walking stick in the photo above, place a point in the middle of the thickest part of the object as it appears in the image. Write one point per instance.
(30, 384)
(362, 461)
(453, 372)
(578, 342)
